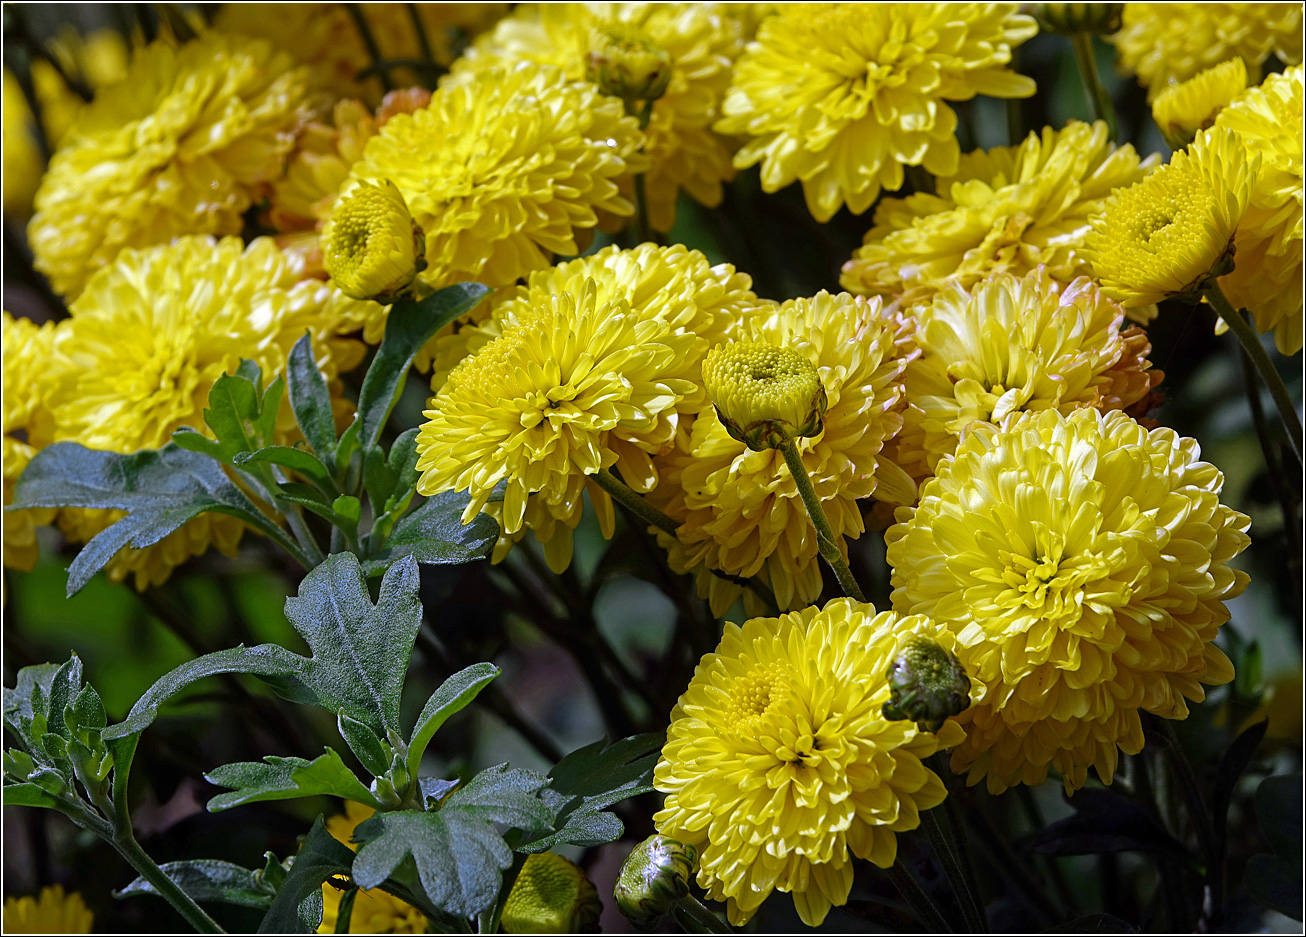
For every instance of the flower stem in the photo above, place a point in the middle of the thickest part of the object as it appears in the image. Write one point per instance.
(1098, 99)
(921, 905)
(955, 869)
(369, 42)
(1251, 342)
(1274, 469)
(643, 229)
(633, 502)
(140, 860)
(827, 541)
(692, 912)
(1199, 815)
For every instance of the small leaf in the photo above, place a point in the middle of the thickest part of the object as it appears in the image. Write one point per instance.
(1247, 676)
(362, 741)
(297, 460)
(193, 440)
(160, 489)
(403, 460)
(266, 425)
(279, 778)
(349, 508)
(378, 478)
(434, 534)
(208, 880)
(320, 857)
(360, 650)
(29, 795)
(1105, 822)
(65, 686)
(310, 399)
(1232, 765)
(449, 698)
(409, 326)
(232, 414)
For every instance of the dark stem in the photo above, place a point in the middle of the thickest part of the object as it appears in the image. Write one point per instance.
(827, 541)
(369, 43)
(419, 28)
(1199, 815)
(1099, 101)
(1279, 486)
(919, 902)
(954, 869)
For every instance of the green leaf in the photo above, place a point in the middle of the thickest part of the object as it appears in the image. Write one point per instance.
(297, 460)
(29, 795)
(269, 661)
(233, 414)
(459, 855)
(362, 741)
(435, 534)
(409, 326)
(160, 489)
(360, 650)
(591, 779)
(193, 440)
(294, 911)
(349, 508)
(310, 399)
(266, 425)
(403, 460)
(277, 778)
(449, 698)
(65, 686)
(209, 880)
(378, 478)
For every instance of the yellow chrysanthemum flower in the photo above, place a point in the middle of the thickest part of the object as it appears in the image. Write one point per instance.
(740, 511)
(182, 145)
(51, 912)
(842, 95)
(1267, 278)
(1082, 563)
(701, 42)
(325, 37)
(1166, 43)
(779, 762)
(1015, 345)
(375, 911)
(1183, 110)
(551, 896)
(97, 60)
(574, 384)
(1172, 234)
(28, 352)
(22, 159)
(1008, 209)
(371, 247)
(502, 170)
(148, 338)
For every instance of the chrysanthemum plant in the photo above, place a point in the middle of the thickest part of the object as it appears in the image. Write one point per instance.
(442, 846)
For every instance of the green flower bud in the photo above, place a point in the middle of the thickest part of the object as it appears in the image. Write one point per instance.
(764, 395)
(627, 64)
(654, 877)
(1065, 19)
(551, 896)
(926, 685)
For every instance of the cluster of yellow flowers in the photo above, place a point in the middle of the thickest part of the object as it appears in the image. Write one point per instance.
(977, 380)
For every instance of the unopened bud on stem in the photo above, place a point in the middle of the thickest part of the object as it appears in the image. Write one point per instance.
(927, 684)
(764, 395)
(653, 879)
(371, 246)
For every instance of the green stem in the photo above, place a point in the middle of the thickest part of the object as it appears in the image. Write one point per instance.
(369, 42)
(643, 229)
(632, 502)
(140, 860)
(921, 905)
(346, 912)
(311, 554)
(956, 872)
(1098, 99)
(1251, 342)
(692, 912)
(827, 541)
(1274, 470)
(1198, 814)
(419, 28)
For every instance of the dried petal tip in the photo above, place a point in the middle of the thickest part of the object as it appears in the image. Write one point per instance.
(627, 64)
(551, 896)
(927, 684)
(764, 395)
(372, 247)
(1065, 19)
(654, 877)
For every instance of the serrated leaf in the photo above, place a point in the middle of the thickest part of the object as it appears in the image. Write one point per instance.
(277, 778)
(449, 698)
(273, 663)
(193, 440)
(233, 413)
(435, 534)
(320, 857)
(297, 460)
(503, 795)
(87, 711)
(360, 650)
(310, 400)
(160, 489)
(408, 327)
(65, 686)
(209, 880)
(583, 826)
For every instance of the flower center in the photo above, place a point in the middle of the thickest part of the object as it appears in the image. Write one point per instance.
(755, 692)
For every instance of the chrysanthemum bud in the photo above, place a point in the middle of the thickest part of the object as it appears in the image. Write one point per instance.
(551, 896)
(626, 63)
(764, 395)
(654, 877)
(1065, 19)
(372, 247)
(1185, 109)
(927, 684)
